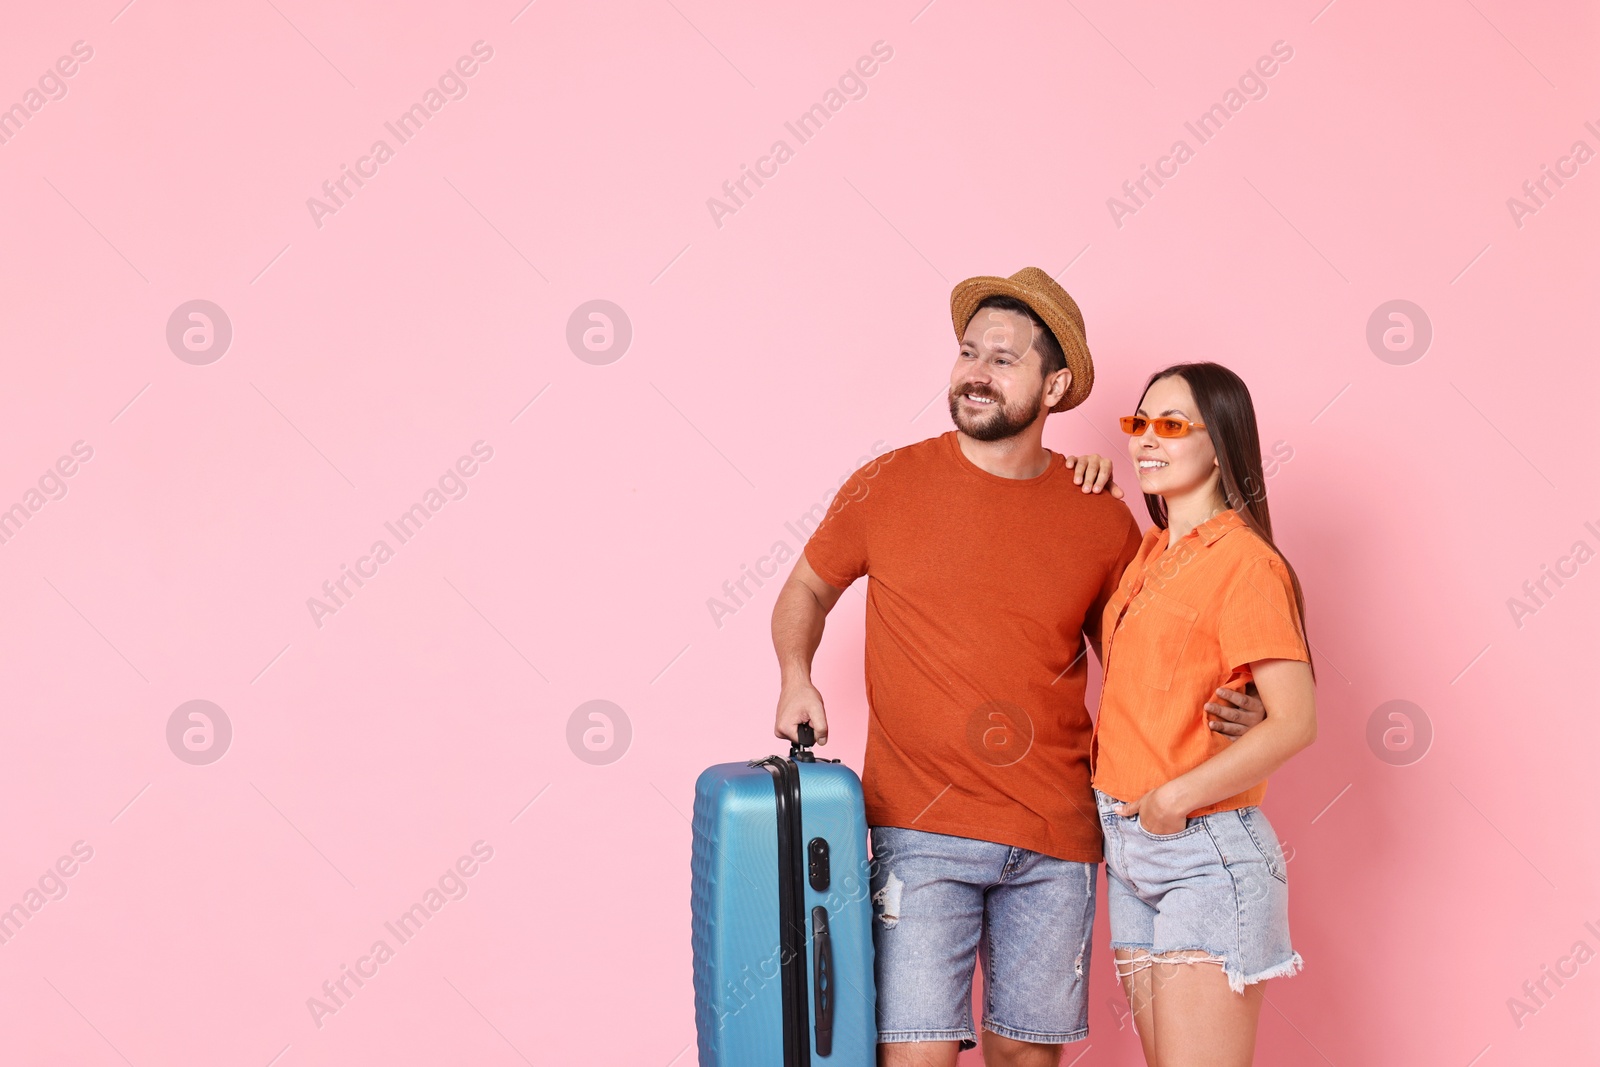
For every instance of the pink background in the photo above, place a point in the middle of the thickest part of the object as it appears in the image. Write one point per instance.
(768, 355)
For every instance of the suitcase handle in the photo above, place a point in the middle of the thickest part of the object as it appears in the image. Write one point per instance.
(800, 748)
(822, 979)
(800, 751)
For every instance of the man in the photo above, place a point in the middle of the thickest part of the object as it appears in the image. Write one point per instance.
(990, 567)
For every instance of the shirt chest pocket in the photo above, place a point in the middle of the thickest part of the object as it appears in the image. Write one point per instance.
(1163, 631)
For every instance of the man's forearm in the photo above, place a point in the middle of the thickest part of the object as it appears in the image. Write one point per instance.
(797, 622)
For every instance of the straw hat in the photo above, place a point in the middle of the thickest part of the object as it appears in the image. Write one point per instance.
(1051, 303)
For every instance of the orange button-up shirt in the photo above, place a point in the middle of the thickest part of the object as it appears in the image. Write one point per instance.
(1186, 620)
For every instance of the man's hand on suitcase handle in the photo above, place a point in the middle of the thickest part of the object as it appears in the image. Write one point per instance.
(800, 702)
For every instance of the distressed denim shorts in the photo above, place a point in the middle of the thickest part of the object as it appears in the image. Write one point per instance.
(1219, 885)
(941, 903)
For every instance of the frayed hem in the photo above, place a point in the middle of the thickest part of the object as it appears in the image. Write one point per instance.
(1286, 969)
(1146, 959)
(1126, 968)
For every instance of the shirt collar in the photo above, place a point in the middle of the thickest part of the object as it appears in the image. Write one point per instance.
(1213, 528)
(1217, 525)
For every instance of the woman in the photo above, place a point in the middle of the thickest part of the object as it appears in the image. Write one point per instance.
(1198, 888)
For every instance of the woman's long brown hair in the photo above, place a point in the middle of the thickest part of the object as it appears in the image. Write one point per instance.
(1230, 418)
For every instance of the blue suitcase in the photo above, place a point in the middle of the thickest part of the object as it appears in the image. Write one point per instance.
(782, 915)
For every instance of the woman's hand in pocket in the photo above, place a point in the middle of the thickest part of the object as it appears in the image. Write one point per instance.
(1156, 812)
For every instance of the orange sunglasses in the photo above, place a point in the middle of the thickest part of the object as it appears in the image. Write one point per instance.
(1165, 426)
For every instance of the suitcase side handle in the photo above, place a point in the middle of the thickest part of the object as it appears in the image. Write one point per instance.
(822, 979)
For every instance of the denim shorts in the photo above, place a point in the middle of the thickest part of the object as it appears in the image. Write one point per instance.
(1219, 885)
(941, 903)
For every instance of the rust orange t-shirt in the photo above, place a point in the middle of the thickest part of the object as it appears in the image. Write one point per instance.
(980, 589)
(1187, 620)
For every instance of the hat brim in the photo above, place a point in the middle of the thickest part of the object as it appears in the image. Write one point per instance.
(967, 295)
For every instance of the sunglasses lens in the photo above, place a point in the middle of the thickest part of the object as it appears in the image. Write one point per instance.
(1133, 424)
(1169, 428)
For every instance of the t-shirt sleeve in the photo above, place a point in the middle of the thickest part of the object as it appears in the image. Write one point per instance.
(1131, 539)
(1259, 619)
(837, 550)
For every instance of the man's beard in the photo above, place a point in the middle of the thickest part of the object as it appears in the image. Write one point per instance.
(998, 423)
